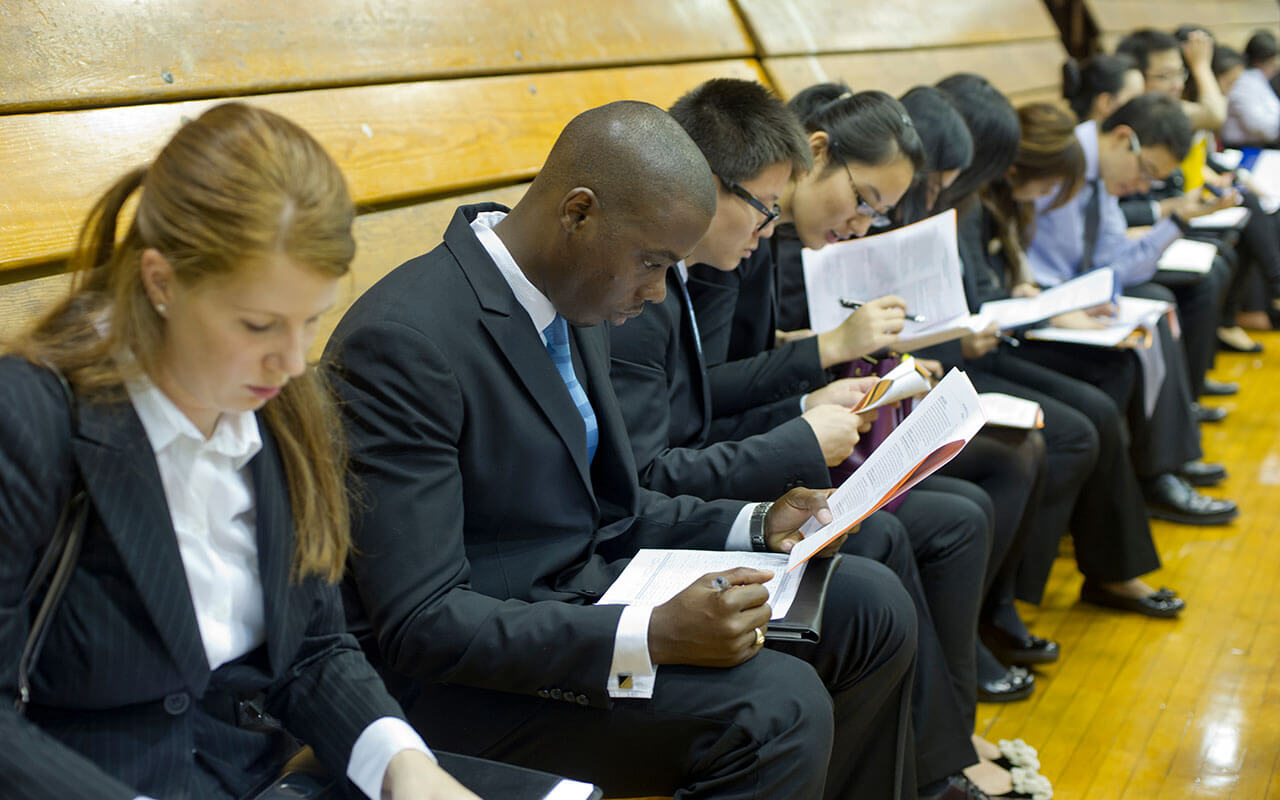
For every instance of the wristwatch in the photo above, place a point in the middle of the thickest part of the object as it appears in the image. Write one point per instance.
(755, 527)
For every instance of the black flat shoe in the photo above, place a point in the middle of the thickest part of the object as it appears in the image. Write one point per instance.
(1203, 473)
(1011, 649)
(1203, 413)
(1171, 498)
(1214, 388)
(1016, 684)
(1163, 603)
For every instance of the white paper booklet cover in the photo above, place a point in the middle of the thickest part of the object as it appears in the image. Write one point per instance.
(655, 576)
(919, 263)
(1094, 288)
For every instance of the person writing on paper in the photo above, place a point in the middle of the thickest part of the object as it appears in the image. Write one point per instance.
(1116, 160)
(753, 143)
(217, 524)
(500, 501)
(1099, 498)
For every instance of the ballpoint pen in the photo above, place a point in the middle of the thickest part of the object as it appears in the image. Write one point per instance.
(856, 304)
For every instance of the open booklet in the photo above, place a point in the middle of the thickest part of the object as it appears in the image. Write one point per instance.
(1188, 255)
(1222, 219)
(1007, 411)
(931, 435)
(919, 263)
(908, 379)
(1094, 288)
(796, 597)
(1133, 325)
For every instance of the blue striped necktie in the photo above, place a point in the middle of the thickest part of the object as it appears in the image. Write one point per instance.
(557, 334)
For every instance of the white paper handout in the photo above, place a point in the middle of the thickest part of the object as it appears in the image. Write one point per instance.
(1094, 288)
(1007, 411)
(1188, 255)
(1265, 174)
(908, 379)
(919, 263)
(1222, 218)
(1135, 320)
(655, 576)
(938, 428)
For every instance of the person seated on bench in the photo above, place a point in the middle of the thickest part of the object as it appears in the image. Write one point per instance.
(1253, 109)
(499, 500)
(202, 605)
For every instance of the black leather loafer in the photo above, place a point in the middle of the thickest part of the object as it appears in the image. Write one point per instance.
(1214, 388)
(1203, 413)
(1171, 498)
(1203, 473)
(1016, 684)
(1011, 649)
(1163, 603)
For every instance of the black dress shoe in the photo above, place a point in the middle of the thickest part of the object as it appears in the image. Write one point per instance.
(1017, 683)
(957, 787)
(1171, 498)
(1203, 473)
(1011, 649)
(1214, 388)
(1203, 413)
(1163, 603)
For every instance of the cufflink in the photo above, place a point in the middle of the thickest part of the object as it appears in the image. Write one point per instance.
(624, 680)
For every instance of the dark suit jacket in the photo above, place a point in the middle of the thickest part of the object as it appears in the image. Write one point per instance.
(123, 700)
(661, 381)
(484, 535)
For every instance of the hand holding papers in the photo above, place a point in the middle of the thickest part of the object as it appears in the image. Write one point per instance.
(929, 437)
(1094, 288)
(918, 263)
(908, 379)
(655, 576)
(1134, 323)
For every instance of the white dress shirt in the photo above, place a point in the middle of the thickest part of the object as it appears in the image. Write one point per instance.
(1253, 111)
(631, 641)
(211, 502)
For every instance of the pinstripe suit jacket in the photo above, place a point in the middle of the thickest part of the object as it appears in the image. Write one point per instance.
(123, 700)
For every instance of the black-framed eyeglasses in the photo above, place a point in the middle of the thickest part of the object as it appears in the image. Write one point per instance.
(1143, 170)
(878, 218)
(770, 214)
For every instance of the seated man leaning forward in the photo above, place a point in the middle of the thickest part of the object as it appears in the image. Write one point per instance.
(499, 500)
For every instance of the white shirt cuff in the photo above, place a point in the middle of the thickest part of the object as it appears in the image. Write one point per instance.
(632, 674)
(1156, 214)
(384, 738)
(739, 537)
(804, 400)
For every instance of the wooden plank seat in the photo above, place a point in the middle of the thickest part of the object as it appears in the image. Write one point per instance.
(395, 142)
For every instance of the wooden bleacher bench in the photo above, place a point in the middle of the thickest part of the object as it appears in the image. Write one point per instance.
(1231, 22)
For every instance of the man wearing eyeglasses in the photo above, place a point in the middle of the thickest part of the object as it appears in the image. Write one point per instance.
(1144, 140)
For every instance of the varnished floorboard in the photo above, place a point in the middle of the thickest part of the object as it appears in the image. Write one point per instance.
(1140, 708)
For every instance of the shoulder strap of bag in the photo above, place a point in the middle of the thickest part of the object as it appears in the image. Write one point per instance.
(60, 558)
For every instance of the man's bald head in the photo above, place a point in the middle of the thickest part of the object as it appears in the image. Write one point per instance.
(634, 157)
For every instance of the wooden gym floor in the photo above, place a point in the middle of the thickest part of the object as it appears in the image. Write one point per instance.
(1141, 708)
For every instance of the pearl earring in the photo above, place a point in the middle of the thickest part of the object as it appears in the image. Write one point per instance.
(161, 309)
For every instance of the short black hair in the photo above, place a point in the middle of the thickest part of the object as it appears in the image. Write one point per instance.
(1140, 44)
(865, 127)
(742, 128)
(1183, 32)
(993, 125)
(1225, 59)
(1101, 74)
(1158, 120)
(1260, 48)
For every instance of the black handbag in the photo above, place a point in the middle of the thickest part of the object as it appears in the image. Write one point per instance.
(60, 559)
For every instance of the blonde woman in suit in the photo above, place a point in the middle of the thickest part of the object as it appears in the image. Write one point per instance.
(217, 522)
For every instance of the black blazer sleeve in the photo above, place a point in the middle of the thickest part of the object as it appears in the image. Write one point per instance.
(35, 482)
(411, 568)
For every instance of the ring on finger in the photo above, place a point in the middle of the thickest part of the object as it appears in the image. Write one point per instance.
(759, 638)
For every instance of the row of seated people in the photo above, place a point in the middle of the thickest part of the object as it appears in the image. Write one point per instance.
(519, 410)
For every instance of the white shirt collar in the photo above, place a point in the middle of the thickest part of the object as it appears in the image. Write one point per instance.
(533, 301)
(235, 436)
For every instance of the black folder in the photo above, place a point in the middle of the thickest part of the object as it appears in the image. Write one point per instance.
(803, 622)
